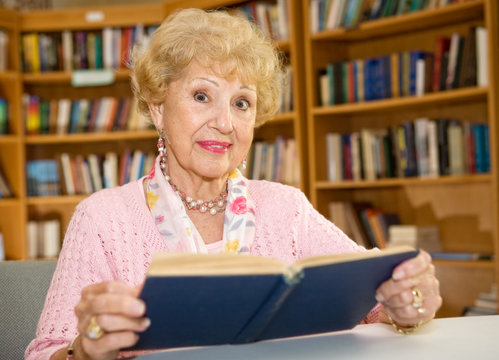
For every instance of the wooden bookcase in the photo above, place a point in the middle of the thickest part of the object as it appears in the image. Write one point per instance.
(17, 148)
(464, 207)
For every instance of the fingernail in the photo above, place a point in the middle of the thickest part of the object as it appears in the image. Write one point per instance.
(398, 274)
(146, 322)
(380, 297)
(138, 307)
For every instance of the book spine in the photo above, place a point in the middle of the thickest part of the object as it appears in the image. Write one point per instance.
(263, 316)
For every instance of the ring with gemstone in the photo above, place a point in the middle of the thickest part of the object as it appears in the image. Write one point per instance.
(417, 301)
(94, 331)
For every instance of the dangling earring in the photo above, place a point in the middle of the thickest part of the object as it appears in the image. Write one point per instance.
(244, 163)
(162, 153)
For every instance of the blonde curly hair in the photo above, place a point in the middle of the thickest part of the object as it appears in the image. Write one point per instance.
(230, 41)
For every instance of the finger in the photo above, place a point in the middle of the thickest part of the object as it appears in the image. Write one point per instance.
(391, 288)
(108, 344)
(113, 323)
(113, 287)
(112, 297)
(122, 305)
(412, 267)
(411, 315)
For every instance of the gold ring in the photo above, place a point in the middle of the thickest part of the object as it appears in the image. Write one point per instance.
(94, 331)
(417, 301)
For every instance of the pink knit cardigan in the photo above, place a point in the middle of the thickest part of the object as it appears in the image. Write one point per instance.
(112, 236)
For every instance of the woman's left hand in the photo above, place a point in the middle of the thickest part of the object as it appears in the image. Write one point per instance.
(412, 295)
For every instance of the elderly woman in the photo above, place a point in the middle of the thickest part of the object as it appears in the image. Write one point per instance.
(205, 80)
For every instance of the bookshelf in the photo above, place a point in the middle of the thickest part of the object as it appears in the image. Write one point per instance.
(463, 206)
(289, 124)
(55, 84)
(18, 148)
(13, 211)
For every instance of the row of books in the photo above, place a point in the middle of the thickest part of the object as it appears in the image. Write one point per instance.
(4, 117)
(424, 148)
(484, 304)
(5, 190)
(272, 18)
(65, 116)
(81, 175)
(457, 61)
(4, 42)
(109, 48)
(43, 238)
(331, 14)
(277, 161)
(372, 226)
(86, 174)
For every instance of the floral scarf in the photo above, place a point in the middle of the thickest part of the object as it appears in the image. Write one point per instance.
(177, 229)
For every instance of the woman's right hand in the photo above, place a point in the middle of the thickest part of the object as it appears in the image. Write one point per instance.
(118, 312)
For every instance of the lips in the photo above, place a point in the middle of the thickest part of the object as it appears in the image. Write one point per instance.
(216, 147)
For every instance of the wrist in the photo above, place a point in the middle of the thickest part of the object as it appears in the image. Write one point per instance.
(75, 350)
(70, 351)
(405, 329)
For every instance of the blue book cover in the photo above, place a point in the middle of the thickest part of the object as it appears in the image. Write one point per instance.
(368, 80)
(213, 299)
(478, 148)
(486, 148)
(74, 117)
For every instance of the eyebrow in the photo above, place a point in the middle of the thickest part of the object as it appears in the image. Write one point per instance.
(218, 85)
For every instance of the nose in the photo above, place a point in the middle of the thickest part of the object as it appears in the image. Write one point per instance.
(222, 119)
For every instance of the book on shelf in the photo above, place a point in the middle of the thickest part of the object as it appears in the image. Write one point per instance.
(245, 298)
(4, 117)
(426, 237)
(2, 248)
(66, 116)
(4, 42)
(346, 216)
(5, 189)
(82, 175)
(423, 147)
(274, 161)
(484, 304)
(44, 238)
(461, 256)
(456, 61)
(332, 14)
(482, 68)
(42, 177)
(271, 18)
(77, 50)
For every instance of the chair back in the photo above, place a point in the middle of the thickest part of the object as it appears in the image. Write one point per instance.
(23, 288)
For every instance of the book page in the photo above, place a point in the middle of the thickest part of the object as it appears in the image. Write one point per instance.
(338, 258)
(171, 264)
(176, 264)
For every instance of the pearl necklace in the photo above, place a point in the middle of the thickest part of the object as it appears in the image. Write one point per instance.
(213, 206)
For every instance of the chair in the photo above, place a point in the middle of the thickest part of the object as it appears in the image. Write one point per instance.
(23, 288)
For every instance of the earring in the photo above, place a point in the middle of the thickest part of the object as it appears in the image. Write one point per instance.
(162, 153)
(244, 163)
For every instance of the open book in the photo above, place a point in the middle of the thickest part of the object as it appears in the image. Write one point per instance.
(212, 299)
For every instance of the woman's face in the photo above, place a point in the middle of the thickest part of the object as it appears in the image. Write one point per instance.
(208, 122)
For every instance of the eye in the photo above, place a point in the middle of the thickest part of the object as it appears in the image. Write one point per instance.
(200, 96)
(242, 104)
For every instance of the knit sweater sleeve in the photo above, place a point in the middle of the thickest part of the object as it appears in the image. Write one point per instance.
(81, 262)
(111, 237)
